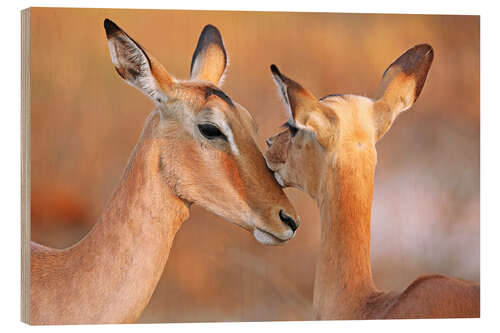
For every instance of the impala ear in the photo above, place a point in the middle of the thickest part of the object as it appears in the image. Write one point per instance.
(135, 66)
(299, 101)
(209, 58)
(401, 85)
(303, 108)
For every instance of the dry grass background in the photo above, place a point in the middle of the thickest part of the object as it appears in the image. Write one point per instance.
(85, 122)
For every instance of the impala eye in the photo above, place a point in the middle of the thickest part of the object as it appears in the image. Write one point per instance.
(293, 130)
(211, 132)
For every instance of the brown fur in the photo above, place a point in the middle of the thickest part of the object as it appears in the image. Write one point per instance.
(110, 275)
(333, 159)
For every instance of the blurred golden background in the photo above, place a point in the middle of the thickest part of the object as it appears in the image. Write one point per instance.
(85, 122)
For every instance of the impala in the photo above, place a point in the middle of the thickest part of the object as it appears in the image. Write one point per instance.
(328, 151)
(197, 146)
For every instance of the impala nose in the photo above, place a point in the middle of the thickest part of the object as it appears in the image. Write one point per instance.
(288, 220)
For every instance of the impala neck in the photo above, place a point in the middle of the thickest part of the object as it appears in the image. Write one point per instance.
(343, 273)
(124, 255)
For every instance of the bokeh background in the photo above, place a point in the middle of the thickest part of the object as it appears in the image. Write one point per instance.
(85, 122)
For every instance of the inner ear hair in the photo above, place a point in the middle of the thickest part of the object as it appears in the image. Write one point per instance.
(134, 65)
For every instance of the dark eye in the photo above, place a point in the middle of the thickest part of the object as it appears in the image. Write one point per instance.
(293, 130)
(210, 131)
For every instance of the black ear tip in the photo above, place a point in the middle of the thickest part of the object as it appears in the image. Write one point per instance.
(430, 51)
(209, 35)
(210, 27)
(110, 27)
(212, 33)
(275, 70)
(425, 51)
(425, 46)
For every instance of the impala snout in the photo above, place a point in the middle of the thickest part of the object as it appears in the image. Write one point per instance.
(282, 229)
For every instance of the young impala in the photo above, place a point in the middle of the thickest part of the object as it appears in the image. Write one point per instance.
(197, 146)
(328, 151)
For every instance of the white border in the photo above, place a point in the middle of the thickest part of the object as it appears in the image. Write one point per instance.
(490, 166)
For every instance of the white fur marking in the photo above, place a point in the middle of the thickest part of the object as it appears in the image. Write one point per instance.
(229, 134)
(279, 179)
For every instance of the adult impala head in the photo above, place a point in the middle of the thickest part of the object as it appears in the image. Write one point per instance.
(339, 132)
(204, 142)
(329, 151)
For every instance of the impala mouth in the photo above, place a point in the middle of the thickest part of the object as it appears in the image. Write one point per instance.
(267, 238)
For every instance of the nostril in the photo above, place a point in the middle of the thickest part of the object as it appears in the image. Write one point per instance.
(269, 143)
(289, 221)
